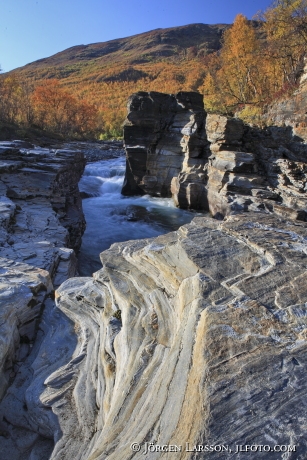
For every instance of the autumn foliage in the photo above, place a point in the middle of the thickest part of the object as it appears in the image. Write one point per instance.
(47, 106)
(58, 110)
(235, 76)
(258, 61)
(91, 107)
(258, 64)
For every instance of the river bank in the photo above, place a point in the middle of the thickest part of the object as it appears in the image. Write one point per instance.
(41, 225)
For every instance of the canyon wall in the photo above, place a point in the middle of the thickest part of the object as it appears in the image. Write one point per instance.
(41, 224)
(161, 133)
(212, 162)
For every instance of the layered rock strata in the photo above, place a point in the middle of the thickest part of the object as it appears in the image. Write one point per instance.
(161, 133)
(212, 162)
(197, 337)
(236, 181)
(41, 224)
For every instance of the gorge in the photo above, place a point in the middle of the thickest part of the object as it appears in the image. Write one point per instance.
(195, 337)
(212, 162)
(112, 217)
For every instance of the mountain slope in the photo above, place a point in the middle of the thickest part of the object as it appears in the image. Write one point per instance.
(177, 42)
(105, 74)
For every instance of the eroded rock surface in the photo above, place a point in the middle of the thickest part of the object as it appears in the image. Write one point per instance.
(162, 132)
(197, 337)
(41, 223)
(212, 162)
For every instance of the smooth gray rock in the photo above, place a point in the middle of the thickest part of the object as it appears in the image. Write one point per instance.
(197, 337)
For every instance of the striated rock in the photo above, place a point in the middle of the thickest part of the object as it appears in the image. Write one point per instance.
(281, 159)
(267, 171)
(41, 223)
(234, 183)
(23, 289)
(223, 132)
(231, 174)
(197, 337)
(40, 207)
(47, 176)
(289, 213)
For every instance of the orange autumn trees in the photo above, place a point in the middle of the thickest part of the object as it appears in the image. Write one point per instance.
(238, 75)
(57, 110)
(10, 94)
(285, 27)
(47, 106)
(110, 97)
(259, 61)
(15, 100)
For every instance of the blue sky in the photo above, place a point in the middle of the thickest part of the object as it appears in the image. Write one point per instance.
(34, 29)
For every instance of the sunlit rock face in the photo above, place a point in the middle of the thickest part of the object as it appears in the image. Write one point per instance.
(197, 337)
(291, 110)
(234, 183)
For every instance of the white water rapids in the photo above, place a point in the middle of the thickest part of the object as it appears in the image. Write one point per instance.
(111, 217)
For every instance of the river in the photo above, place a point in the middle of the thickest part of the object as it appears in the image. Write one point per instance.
(111, 217)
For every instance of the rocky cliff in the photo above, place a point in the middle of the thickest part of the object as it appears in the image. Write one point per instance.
(194, 338)
(291, 111)
(212, 162)
(41, 223)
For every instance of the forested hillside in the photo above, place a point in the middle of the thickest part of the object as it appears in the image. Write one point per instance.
(101, 76)
(83, 90)
(254, 69)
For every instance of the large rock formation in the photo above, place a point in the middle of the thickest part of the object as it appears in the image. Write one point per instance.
(212, 162)
(41, 223)
(197, 337)
(161, 133)
(38, 179)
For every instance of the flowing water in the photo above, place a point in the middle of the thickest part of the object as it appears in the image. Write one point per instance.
(111, 217)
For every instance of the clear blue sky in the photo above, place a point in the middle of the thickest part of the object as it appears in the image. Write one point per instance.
(34, 29)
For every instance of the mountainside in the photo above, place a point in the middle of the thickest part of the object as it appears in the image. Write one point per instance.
(194, 40)
(240, 69)
(105, 74)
